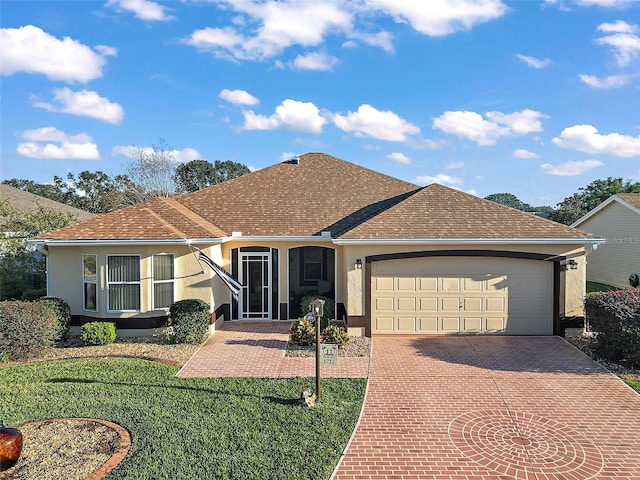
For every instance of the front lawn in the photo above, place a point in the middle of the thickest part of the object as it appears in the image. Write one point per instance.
(229, 428)
(593, 287)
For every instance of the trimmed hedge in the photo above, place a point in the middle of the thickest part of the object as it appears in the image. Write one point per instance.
(26, 328)
(62, 310)
(615, 316)
(98, 333)
(190, 320)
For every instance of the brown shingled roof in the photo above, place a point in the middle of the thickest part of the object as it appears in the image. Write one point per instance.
(631, 198)
(28, 202)
(437, 211)
(155, 219)
(317, 193)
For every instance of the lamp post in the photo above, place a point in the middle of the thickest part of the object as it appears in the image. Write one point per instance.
(317, 307)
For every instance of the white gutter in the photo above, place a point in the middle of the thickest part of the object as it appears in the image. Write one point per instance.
(121, 242)
(270, 238)
(468, 241)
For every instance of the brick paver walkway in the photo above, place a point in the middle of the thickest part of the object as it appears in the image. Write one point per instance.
(256, 349)
(492, 407)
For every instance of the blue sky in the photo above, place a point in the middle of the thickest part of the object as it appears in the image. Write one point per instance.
(532, 98)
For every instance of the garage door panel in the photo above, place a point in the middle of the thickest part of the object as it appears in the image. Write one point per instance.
(472, 324)
(473, 284)
(406, 324)
(450, 324)
(428, 284)
(406, 304)
(429, 304)
(428, 324)
(405, 284)
(495, 304)
(450, 284)
(469, 295)
(472, 304)
(384, 324)
(450, 304)
(384, 303)
(494, 324)
(384, 284)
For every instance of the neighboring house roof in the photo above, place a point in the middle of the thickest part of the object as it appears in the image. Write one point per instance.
(313, 194)
(28, 202)
(628, 200)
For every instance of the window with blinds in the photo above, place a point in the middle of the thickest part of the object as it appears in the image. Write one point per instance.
(90, 282)
(123, 283)
(163, 280)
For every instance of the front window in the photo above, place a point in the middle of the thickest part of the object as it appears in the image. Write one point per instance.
(90, 281)
(123, 282)
(163, 278)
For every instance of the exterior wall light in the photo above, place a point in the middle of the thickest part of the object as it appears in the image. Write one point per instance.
(573, 265)
(359, 263)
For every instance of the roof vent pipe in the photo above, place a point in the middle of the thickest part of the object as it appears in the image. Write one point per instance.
(295, 160)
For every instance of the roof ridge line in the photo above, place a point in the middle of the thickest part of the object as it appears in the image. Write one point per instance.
(193, 218)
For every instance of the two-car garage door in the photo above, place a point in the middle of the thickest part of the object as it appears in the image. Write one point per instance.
(462, 295)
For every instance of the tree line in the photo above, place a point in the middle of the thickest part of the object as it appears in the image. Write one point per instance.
(149, 174)
(576, 205)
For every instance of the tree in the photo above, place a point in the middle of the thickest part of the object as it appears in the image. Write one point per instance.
(198, 174)
(149, 174)
(510, 200)
(22, 271)
(90, 191)
(589, 197)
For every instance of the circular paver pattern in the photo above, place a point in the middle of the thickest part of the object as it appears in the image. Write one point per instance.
(524, 446)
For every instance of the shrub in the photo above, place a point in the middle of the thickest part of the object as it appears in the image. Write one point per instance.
(98, 333)
(329, 308)
(26, 328)
(615, 316)
(62, 311)
(302, 332)
(190, 320)
(335, 334)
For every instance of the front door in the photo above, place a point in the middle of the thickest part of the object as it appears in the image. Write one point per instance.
(255, 277)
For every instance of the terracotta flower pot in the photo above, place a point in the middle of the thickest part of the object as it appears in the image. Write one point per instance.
(10, 446)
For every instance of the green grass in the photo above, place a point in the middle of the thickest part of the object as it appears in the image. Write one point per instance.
(236, 428)
(593, 287)
(635, 384)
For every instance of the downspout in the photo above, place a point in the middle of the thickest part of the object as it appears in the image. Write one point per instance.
(44, 250)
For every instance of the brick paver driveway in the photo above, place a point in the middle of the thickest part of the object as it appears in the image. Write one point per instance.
(480, 407)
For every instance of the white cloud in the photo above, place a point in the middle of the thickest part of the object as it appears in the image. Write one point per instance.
(383, 125)
(278, 25)
(264, 29)
(291, 115)
(605, 3)
(66, 147)
(454, 165)
(611, 81)
(32, 50)
(585, 138)
(622, 39)
(522, 153)
(473, 126)
(534, 62)
(238, 97)
(179, 156)
(441, 178)
(442, 17)
(143, 9)
(314, 61)
(84, 103)
(570, 168)
(399, 158)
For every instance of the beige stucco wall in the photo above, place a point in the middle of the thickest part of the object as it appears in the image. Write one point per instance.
(65, 278)
(619, 257)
